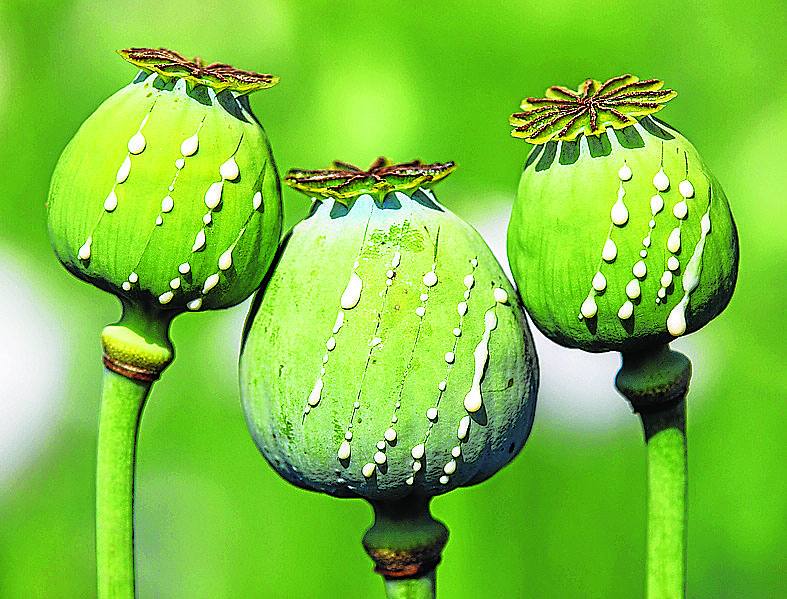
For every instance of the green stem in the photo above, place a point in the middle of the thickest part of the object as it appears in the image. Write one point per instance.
(136, 350)
(665, 434)
(405, 543)
(655, 381)
(122, 401)
(422, 587)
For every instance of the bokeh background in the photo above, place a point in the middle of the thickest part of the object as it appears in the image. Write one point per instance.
(434, 80)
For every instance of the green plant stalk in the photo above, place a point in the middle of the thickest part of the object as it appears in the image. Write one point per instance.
(122, 402)
(655, 380)
(665, 434)
(422, 587)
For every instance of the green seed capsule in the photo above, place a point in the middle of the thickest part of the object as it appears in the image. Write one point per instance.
(387, 355)
(168, 195)
(620, 236)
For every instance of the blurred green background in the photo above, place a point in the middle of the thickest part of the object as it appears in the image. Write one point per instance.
(437, 81)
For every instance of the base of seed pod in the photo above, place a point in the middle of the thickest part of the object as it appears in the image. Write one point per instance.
(654, 379)
(405, 541)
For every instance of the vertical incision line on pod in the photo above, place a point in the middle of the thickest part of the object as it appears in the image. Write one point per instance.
(676, 321)
(228, 171)
(619, 217)
(673, 245)
(134, 146)
(418, 451)
(380, 458)
(188, 148)
(349, 299)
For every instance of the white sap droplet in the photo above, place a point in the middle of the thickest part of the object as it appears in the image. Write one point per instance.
(418, 451)
(213, 195)
(136, 145)
(126, 286)
(589, 307)
(199, 241)
(473, 400)
(661, 181)
(643, 253)
(184, 268)
(368, 470)
(207, 218)
(352, 293)
(652, 223)
(375, 342)
(420, 311)
(656, 204)
(166, 297)
(640, 270)
(124, 170)
(430, 279)
(457, 332)
(680, 210)
(175, 283)
(450, 357)
(330, 345)
(473, 262)
(389, 274)
(624, 172)
(84, 251)
(500, 295)
(356, 404)
(225, 260)
(167, 204)
(666, 279)
(673, 241)
(619, 213)
(646, 241)
(461, 307)
(256, 201)
(229, 170)
(444, 480)
(409, 480)
(467, 294)
(133, 277)
(396, 260)
(599, 282)
(180, 163)
(344, 451)
(380, 458)
(316, 393)
(673, 263)
(390, 435)
(469, 281)
(662, 293)
(431, 413)
(190, 146)
(610, 251)
(111, 202)
(464, 427)
(159, 221)
(394, 419)
(442, 385)
(450, 467)
(339, 322)
(633, 289)
(417, 465)
(348, 435)
(210, 282)
(195, 304)
(424, 297)
(676, 321)
(626, 310)
(686, 189)
(456, 451)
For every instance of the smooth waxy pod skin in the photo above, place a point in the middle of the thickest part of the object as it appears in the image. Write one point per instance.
(387, 355)
(620, 236)
(168, 195)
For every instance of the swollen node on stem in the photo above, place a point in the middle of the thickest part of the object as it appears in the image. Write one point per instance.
(167, 197)
(387, 356)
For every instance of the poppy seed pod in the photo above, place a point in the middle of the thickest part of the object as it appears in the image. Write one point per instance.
(387, 356)
(168, 194)
(620, 236)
